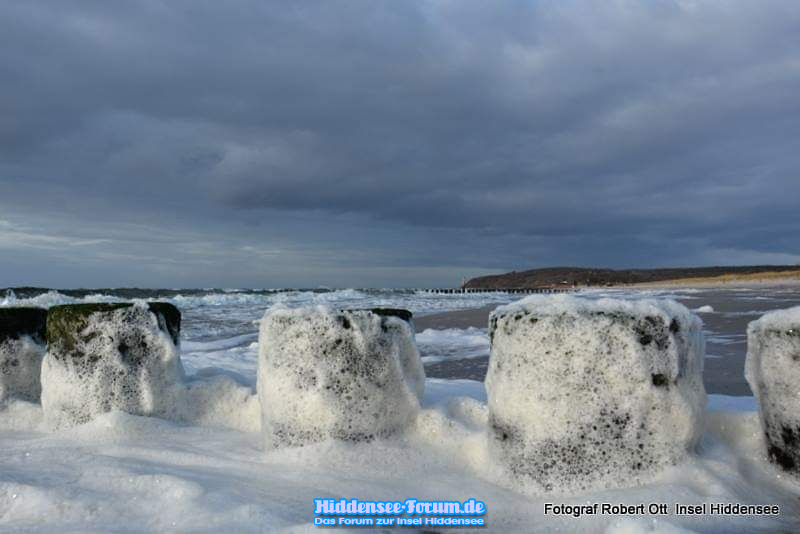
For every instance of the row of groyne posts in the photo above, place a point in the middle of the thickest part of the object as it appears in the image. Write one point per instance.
(619, 385)
(515, 290)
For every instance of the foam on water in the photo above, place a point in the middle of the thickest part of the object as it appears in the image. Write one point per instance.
(209, 317)
(220, 344)
(53, 298)
(453, 343)
(241, 361)
(418, 301)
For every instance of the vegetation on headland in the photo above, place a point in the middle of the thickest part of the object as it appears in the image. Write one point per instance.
(552, 277)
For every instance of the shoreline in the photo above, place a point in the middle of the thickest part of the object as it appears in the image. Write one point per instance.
(471, 317)
(479, 317)
(725, 328)
(710, 283)
(580, 277)
(732, 282)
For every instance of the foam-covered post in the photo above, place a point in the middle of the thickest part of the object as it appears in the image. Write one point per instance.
(22, 340)
(593, 393)
(103, 357)
(337, 374)
(772, 369)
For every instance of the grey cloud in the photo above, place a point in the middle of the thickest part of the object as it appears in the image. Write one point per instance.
(409, 135)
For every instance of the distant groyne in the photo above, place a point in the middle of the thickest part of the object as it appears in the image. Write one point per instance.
(523, 290)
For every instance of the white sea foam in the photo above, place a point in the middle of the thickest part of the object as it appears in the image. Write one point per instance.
(125, 472)
(777, 320)
(420, 302)
(773, 371)
(725, 339)
(219, 344)
(241, 361)
(20, 367)
(161, 476)
(594, 393)
(452, 343)
(53, 298)
(213, 398)
(130, 364)
(323, 374)
(121, 360)
(239, 354)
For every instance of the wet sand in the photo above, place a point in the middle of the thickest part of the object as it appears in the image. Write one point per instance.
(479, 318)
(725, 331)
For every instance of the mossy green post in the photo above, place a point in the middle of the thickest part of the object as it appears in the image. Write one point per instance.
(69, 320)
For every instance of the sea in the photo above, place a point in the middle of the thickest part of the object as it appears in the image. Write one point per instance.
(220, 326)
(129, 473)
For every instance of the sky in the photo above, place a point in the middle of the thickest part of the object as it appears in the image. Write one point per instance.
(385, 143)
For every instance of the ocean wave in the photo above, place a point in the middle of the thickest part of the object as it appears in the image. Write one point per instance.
(452, 344)
(52, 298)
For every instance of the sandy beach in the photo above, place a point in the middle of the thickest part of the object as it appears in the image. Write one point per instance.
(761, 280)
(477, 318)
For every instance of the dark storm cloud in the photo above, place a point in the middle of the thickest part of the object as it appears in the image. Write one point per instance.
(435, 136)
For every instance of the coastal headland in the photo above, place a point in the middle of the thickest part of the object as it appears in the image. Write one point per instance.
(566, 277)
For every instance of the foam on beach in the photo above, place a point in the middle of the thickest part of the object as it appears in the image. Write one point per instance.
(121, 357)
(352, 375)
(594, 393)
(772, 369)
(160, 475)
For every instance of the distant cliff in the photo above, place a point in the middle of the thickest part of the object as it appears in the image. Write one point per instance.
(580, 276)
